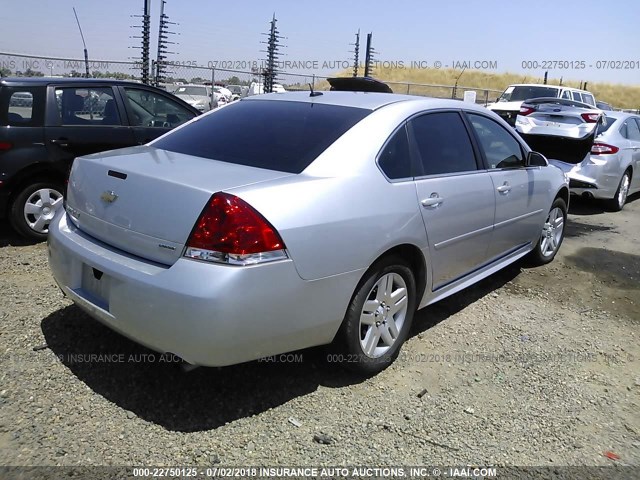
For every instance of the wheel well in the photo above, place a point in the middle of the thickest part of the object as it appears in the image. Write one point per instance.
(32, 175)
(630, 170)
(413, 256)
(564, 194)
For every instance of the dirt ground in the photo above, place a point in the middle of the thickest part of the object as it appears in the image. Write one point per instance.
(533, 366)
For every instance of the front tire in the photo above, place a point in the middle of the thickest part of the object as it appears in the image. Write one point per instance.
(551, 236)
(34, 207)
(378, 319)
(620, 198)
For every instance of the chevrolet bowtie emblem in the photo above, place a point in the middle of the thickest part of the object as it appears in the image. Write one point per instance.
(109, 197)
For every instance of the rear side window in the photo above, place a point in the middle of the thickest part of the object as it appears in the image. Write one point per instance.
(22, 106)
(443, 143)
(271, 134)
(576, 96)
(394, 159)
(566, 94)
(608, 123)
(87, 106)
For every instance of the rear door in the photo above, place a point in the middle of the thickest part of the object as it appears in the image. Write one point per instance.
(21, 132)
(520, 192)
(85, 119)
(152, 113)
(455, 196)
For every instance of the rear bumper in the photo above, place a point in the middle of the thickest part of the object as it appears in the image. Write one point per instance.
(596, 180)
(207, 314)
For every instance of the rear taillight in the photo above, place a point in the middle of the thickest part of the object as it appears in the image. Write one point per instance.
(5, 146)
(524, 111)
(231, 231)
(603, 149)
(590, 117)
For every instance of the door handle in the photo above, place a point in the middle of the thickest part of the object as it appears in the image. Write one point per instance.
(61, 142)
(433, 201)
(504, 188)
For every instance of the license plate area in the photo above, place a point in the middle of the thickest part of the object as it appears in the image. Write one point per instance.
(95, 286)
(553, 124)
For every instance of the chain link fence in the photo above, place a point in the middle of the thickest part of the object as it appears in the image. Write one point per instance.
(174, 74)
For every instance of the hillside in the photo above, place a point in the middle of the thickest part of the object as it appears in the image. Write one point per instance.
(620, 96)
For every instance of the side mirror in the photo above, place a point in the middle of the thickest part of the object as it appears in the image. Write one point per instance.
(535, 159)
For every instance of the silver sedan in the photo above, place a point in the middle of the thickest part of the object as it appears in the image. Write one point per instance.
(611, 171)
(285, 221)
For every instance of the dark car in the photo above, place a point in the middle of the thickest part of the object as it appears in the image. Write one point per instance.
(46, 122)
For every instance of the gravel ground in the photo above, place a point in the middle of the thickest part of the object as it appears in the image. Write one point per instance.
(529, 367)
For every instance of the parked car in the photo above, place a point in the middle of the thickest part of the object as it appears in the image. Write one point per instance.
(508, 103)
(238, 91)
(65, 118)
(601, 155)
(200, 97)
(329, 217)
(604, 106)
(224, 92)
(258, 88)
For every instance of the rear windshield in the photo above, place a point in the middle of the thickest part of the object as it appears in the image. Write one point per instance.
(516, 94)
(603, 127)
(276, 135)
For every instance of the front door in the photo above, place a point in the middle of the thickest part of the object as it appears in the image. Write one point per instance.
(455, 197)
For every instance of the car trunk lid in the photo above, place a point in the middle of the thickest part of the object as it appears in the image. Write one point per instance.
(145, 201)
(558, 130)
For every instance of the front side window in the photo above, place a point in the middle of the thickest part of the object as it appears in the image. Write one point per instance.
(394, 159)
(499, 146)
(22, 106)
(276, 135)
(151, 109)
(87, 106)
(443, 143)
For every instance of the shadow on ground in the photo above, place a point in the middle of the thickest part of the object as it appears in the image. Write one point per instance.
(8, 236)
(589, 206)
(206, 398)
(616, 269)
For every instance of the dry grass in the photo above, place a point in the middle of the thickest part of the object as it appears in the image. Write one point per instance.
(620, 96)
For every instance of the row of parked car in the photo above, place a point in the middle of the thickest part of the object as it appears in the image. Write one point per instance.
(597, 147)
(329, 219)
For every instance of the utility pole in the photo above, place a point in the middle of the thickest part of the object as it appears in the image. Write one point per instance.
(273, 46)
(163, 43)
(145, 37)
(86, 55)
(368, 61)
(356, 54)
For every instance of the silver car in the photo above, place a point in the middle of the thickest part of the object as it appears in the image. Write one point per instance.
(330, 218)
(600, 153)
(198, 96)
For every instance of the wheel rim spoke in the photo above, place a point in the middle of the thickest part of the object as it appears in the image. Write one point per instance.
(371, 340)
(39, 224)
(383, 314)
(32, 209)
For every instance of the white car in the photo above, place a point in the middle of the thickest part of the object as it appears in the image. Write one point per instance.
(258, 88)
(198, 96)
(509, 102)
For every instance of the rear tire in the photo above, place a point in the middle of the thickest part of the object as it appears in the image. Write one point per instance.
(378, 319)
(34, 207)
(620, 198)
(551, 236)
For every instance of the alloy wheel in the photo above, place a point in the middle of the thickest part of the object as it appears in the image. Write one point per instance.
(383, 315)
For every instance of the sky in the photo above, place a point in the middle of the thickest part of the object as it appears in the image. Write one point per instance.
(574, 36)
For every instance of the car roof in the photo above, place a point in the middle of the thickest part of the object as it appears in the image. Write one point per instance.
(619, 115)
(559, 87)
(24, 81)
(366, 100)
